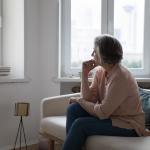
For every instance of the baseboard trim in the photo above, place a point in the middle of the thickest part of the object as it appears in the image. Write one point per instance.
(9, 147)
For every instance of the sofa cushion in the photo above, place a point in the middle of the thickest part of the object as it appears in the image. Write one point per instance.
(54, 125)
(145, 100)
(117, 143)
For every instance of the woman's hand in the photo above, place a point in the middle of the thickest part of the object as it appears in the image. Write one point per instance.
(74, 100)
(87, 66)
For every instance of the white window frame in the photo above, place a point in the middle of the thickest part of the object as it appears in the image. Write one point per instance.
(65, 29)
(107, 26)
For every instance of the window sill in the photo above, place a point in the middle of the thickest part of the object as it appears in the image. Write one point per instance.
(67, 79)
(143, 79)
(13, 80)
(77, 79)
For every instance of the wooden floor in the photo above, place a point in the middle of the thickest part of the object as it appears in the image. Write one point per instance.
(42, 145)
(30, 147)
(36, 147)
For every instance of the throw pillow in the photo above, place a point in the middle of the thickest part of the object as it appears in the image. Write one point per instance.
(145, 100)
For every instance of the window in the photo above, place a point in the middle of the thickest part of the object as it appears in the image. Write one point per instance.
(78, 31)
(12, 38)
(131, 15)
(126, 19)
(0, 31)
(129, 25)
(84, 29)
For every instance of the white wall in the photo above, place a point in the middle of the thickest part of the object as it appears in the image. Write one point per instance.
(49, 45)
(41, 67)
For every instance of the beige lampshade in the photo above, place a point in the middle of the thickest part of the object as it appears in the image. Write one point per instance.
(22, 109)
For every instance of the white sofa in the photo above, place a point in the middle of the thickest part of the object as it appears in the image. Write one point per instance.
(53, 122)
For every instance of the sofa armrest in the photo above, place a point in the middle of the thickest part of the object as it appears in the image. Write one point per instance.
(55, 106)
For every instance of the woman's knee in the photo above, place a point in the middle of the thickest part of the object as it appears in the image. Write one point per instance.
(73, 108)
(78, 123)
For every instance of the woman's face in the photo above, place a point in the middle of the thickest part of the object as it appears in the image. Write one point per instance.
(96, 55)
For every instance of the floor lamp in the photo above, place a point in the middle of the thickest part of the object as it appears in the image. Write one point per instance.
(21, 109)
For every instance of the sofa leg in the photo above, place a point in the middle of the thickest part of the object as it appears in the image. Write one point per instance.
(58, 145)
(51, 144)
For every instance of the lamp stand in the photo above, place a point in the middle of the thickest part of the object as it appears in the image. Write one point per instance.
(20, 128)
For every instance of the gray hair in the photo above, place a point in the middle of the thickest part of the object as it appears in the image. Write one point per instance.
(110, 49)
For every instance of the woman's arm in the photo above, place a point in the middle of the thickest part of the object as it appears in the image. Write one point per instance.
(87, 91)
(116, 94)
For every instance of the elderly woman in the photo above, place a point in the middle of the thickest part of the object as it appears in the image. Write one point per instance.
(111, 104)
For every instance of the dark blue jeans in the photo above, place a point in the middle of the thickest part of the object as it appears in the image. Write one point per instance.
(80, 124)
